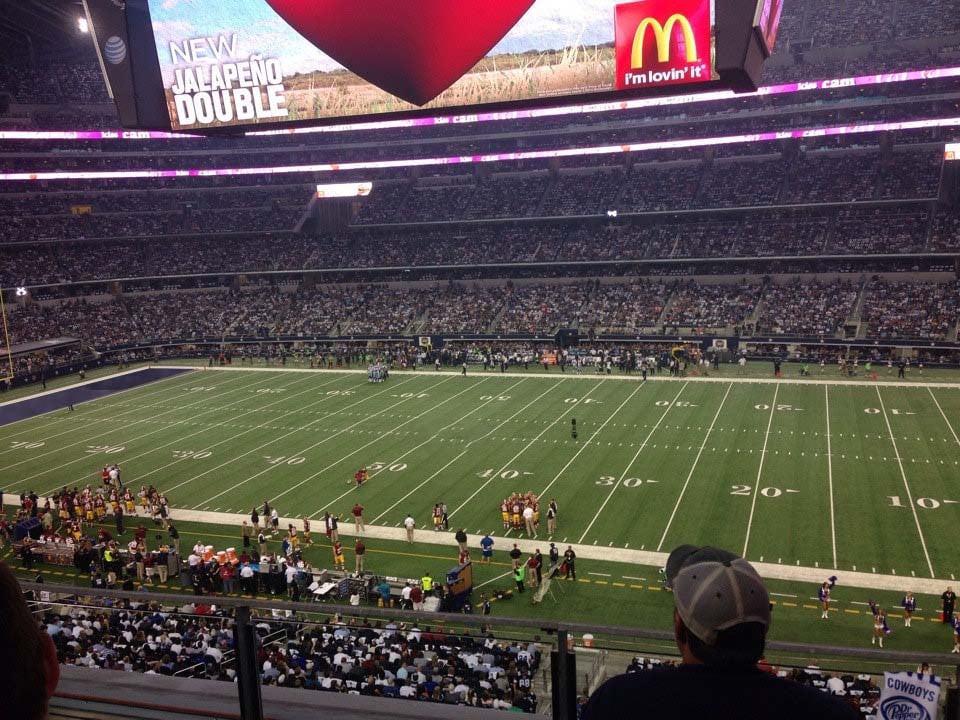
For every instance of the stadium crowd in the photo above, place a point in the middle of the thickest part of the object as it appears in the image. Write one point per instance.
(750, 235)
(806, 309)
(905, 310)
(358, 657)
(900, 309)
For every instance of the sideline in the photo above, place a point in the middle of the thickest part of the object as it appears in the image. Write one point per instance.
(793, 573)
(594, 376)
(98, 380)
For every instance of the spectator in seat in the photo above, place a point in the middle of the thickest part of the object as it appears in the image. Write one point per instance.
(720, 619)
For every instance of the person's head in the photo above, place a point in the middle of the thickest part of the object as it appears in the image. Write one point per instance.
(28, 660)
(721, 607)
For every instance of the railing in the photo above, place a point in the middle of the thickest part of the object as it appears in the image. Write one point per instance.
(246, 613)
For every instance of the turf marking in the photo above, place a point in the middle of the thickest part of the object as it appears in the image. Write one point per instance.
(763, 456)
(587, 443)
(570, 409)
(833, 523)
(693, 468)
(463, 452)
(417, 447)
(86, 457)
(318, 443)
(85, 440)
(99, 378)
(591, 377)
(271, 441)
(493, 580)
(206, 426)
(903, 474)
(102, 402)
(377, 439)
(943, 414)
(633, 460)
(228, 423)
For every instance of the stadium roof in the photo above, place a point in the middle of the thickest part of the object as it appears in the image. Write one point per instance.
(38, 26)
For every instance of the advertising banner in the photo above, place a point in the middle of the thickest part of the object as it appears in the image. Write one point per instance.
(342, 190)
(243, 62)
(664, 42)
(909, 696)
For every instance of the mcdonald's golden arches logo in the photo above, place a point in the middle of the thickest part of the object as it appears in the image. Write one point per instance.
(663, 42)
(662, 35)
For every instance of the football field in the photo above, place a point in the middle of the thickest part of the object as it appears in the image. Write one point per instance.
(821, 474)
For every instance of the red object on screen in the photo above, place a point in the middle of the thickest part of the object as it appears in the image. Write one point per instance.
(411, 49)
(663, 42)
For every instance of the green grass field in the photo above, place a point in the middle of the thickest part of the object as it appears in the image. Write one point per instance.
(854, 476)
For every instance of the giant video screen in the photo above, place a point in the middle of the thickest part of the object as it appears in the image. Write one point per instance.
(261, 62)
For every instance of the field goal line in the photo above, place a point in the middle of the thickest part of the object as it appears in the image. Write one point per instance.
(592, 376)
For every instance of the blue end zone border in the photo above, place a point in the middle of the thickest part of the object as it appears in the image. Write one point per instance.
(60, 399)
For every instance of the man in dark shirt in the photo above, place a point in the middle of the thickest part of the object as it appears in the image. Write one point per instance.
(720, 621)
(948, 600)
(569, 561)
(515, 556)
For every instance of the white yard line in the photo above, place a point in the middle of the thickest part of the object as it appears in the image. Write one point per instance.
(327, 439)
(281, 437)
(376, 440)
(493, 580)
(313, 388)
(135, 438)
(833, 522)
(622, 378)
(583, 447)
(763, 456)
(417, 447)
(693, 468)
(506, 465)
(632, 461)
(465, 450)
(101, 378)
(906, 485)
(945, 419)
(104, 403)
(127, 459)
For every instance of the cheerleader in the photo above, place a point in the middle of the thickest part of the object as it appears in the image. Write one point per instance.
(879, 621)
(875, 609)
(823, 595)
(128, 502)
(956, 635)
(909, 604)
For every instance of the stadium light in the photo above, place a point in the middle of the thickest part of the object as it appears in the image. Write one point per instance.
(82, 25)
(21, 292)
(611, 213)
(751, 138)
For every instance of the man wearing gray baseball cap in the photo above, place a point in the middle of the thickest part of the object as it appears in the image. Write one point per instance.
(720, 621)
